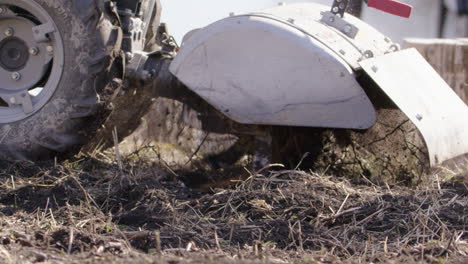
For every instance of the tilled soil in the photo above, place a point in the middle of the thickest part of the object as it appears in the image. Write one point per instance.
(92, 211)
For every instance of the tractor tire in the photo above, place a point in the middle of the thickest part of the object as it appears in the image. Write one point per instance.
(81, 76)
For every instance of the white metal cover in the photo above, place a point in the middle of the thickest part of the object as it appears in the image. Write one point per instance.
(416, 88)
(263, 69)
(307, 17)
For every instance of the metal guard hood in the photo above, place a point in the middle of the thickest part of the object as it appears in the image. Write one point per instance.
(282, 66)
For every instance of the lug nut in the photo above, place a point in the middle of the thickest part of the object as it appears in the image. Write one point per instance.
(9, 32)
(50, 49)
(16, 76)
(34, 51)
(129, 56)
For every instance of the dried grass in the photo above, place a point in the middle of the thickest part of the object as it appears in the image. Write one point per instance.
(94, 211)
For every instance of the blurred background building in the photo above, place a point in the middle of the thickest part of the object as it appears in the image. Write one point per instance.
(430, 19)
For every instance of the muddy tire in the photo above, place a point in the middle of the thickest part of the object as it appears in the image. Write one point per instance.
(76, 87)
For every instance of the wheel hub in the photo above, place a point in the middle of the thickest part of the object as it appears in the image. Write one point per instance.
(15, 57)
(31, 59)
(14, 54)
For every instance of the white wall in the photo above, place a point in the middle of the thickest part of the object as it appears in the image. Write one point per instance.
(185, 15)
(423, 23)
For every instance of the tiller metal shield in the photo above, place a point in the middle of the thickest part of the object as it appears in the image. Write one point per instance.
(416, 88)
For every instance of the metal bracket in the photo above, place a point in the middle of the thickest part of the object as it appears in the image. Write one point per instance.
(339, 23)
(339, 7)
(22, 98)
(135, 66)
(133, 29)
(40, 32)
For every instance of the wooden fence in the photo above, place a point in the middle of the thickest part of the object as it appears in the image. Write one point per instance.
(449, 57)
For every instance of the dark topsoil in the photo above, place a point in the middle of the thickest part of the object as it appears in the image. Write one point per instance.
(91, 211)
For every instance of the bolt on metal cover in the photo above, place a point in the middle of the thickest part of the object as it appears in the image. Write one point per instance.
(9, 32)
